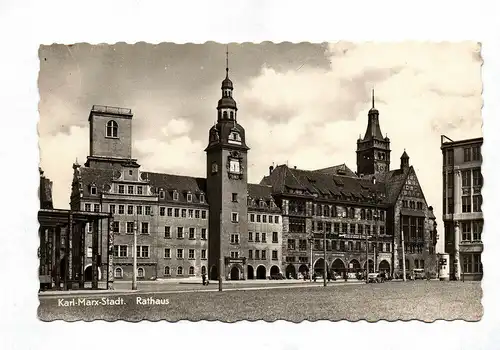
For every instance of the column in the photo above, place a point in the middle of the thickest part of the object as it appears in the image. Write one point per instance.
(457, 252)
(57, 257)
(111, 237)
(458, 209)
(95, 251)
(81, 233)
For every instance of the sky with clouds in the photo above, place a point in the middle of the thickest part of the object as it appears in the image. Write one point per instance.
(305, 104)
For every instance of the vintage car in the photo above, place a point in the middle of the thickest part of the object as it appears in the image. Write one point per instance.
(419, 274)
(376, 277)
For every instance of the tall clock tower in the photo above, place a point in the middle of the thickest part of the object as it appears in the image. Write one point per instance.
(227, 189)
(374, 150)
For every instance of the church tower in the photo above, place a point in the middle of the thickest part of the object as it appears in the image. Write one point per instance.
(227, 188)
(373, 151)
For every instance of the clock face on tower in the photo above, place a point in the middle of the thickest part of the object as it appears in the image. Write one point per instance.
(234, 166)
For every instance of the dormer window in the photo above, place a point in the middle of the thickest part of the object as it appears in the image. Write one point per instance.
(189, 197)
(234, 137)
(93, 190)
(202, 198)
(261, 203)
(112, 129)
(162, 194)
(176, 196)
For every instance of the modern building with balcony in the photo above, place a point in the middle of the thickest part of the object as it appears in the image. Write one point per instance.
(462, 200)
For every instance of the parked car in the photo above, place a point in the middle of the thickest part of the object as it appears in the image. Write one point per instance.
(376, 277)
(419, 274)
(277, 276)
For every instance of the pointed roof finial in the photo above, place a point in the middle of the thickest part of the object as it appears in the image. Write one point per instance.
(373, 98)
(227, 60)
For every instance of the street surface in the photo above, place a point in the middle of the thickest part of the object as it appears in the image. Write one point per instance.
(423, 300)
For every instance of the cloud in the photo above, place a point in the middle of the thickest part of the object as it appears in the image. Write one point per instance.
(302, 104)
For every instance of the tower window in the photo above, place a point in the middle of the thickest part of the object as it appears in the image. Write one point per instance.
(224, 115)
(231, 114)
(112, 129)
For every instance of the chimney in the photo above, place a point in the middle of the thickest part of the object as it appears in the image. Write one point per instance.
(271, 168)
(295, 167)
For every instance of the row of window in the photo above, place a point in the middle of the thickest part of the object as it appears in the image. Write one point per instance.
(180, 233)
(345, 228)
(414, 248)
(477, 202)
(262, 237)
(470, 154)
(166, 271)
(413, 204)
(264, 218)
(413, 228)
(338, 245)
(364, 214)
(469, 177)
(143, 251)
(417, 264)
(262, 254)
(302, 259)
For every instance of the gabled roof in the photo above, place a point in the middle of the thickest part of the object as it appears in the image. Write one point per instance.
(98, 177)
(340, 169)
(182, 184)
(257, 191)
(323, 184)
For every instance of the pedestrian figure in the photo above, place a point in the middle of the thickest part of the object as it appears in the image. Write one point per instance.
(203, 277)
(314, 277)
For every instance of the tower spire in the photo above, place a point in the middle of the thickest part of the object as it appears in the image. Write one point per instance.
(227, 61)
(373, 98)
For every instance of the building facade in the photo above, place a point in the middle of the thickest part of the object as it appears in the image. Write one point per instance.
(462, 200)
(222, 225)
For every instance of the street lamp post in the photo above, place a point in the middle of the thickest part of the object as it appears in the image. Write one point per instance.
(134, 265)
(325, 271)
(311, 240)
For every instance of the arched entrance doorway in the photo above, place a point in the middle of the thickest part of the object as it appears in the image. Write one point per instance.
(214, 273)
(304, 270)
(319, 267)
(354, 266)
(275, 270)
(88, 273)
(290, 271)
(338, 267)
(235, 273)
(261, 272)
(384, 267)
(250, 275)
(370, 266)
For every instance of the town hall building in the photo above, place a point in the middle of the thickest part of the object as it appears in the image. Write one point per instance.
(189, 226)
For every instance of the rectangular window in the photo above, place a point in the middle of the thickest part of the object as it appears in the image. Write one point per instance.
(466, 207)
(234, 197)
(466, 231)
(148, 210)
(344, 228)
(302, 244)
(183, 213)
(202, 198)
(162, 211)
(191, 233)
(235, 238)
(204, 214)
(263, 255)
(275, 237)
(291, 244)
(467, 154)
(145, 228)
(197, 214)
(143, 251)
(252, 217)
(250, 254)
(388, 247)
(250, 236)
(121, 189)
(139, 209)
(167, 253)
(190, 213)
(96, 208)
(358, 246)
(328, 227)
(112, 208)
(180, 253)
(189, 197)
(257, 255)
(342, 245)
(203, 233)
(167, 232)
(476, 153)
(116, 226)
(477, 227)
(336, 227)
(352, 229)
(235, 255)
(477, 179)
(180, 233)
(467, 263)
(258, 218)
(478, 267)
(234, 217)
(130, 210)
(466, 178)
(477, 202)
(381, 247)
(264, 239)
(274, 255)
(169, 211)
(264, 218)
(191, 254)
(203, 253)
(139, 189)
(120, 251)
(257, 237)
(276, 219)
(130, 227)
(130, 189)
(297, 225)
(382, 230)
(176, 212)
(449, 157)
